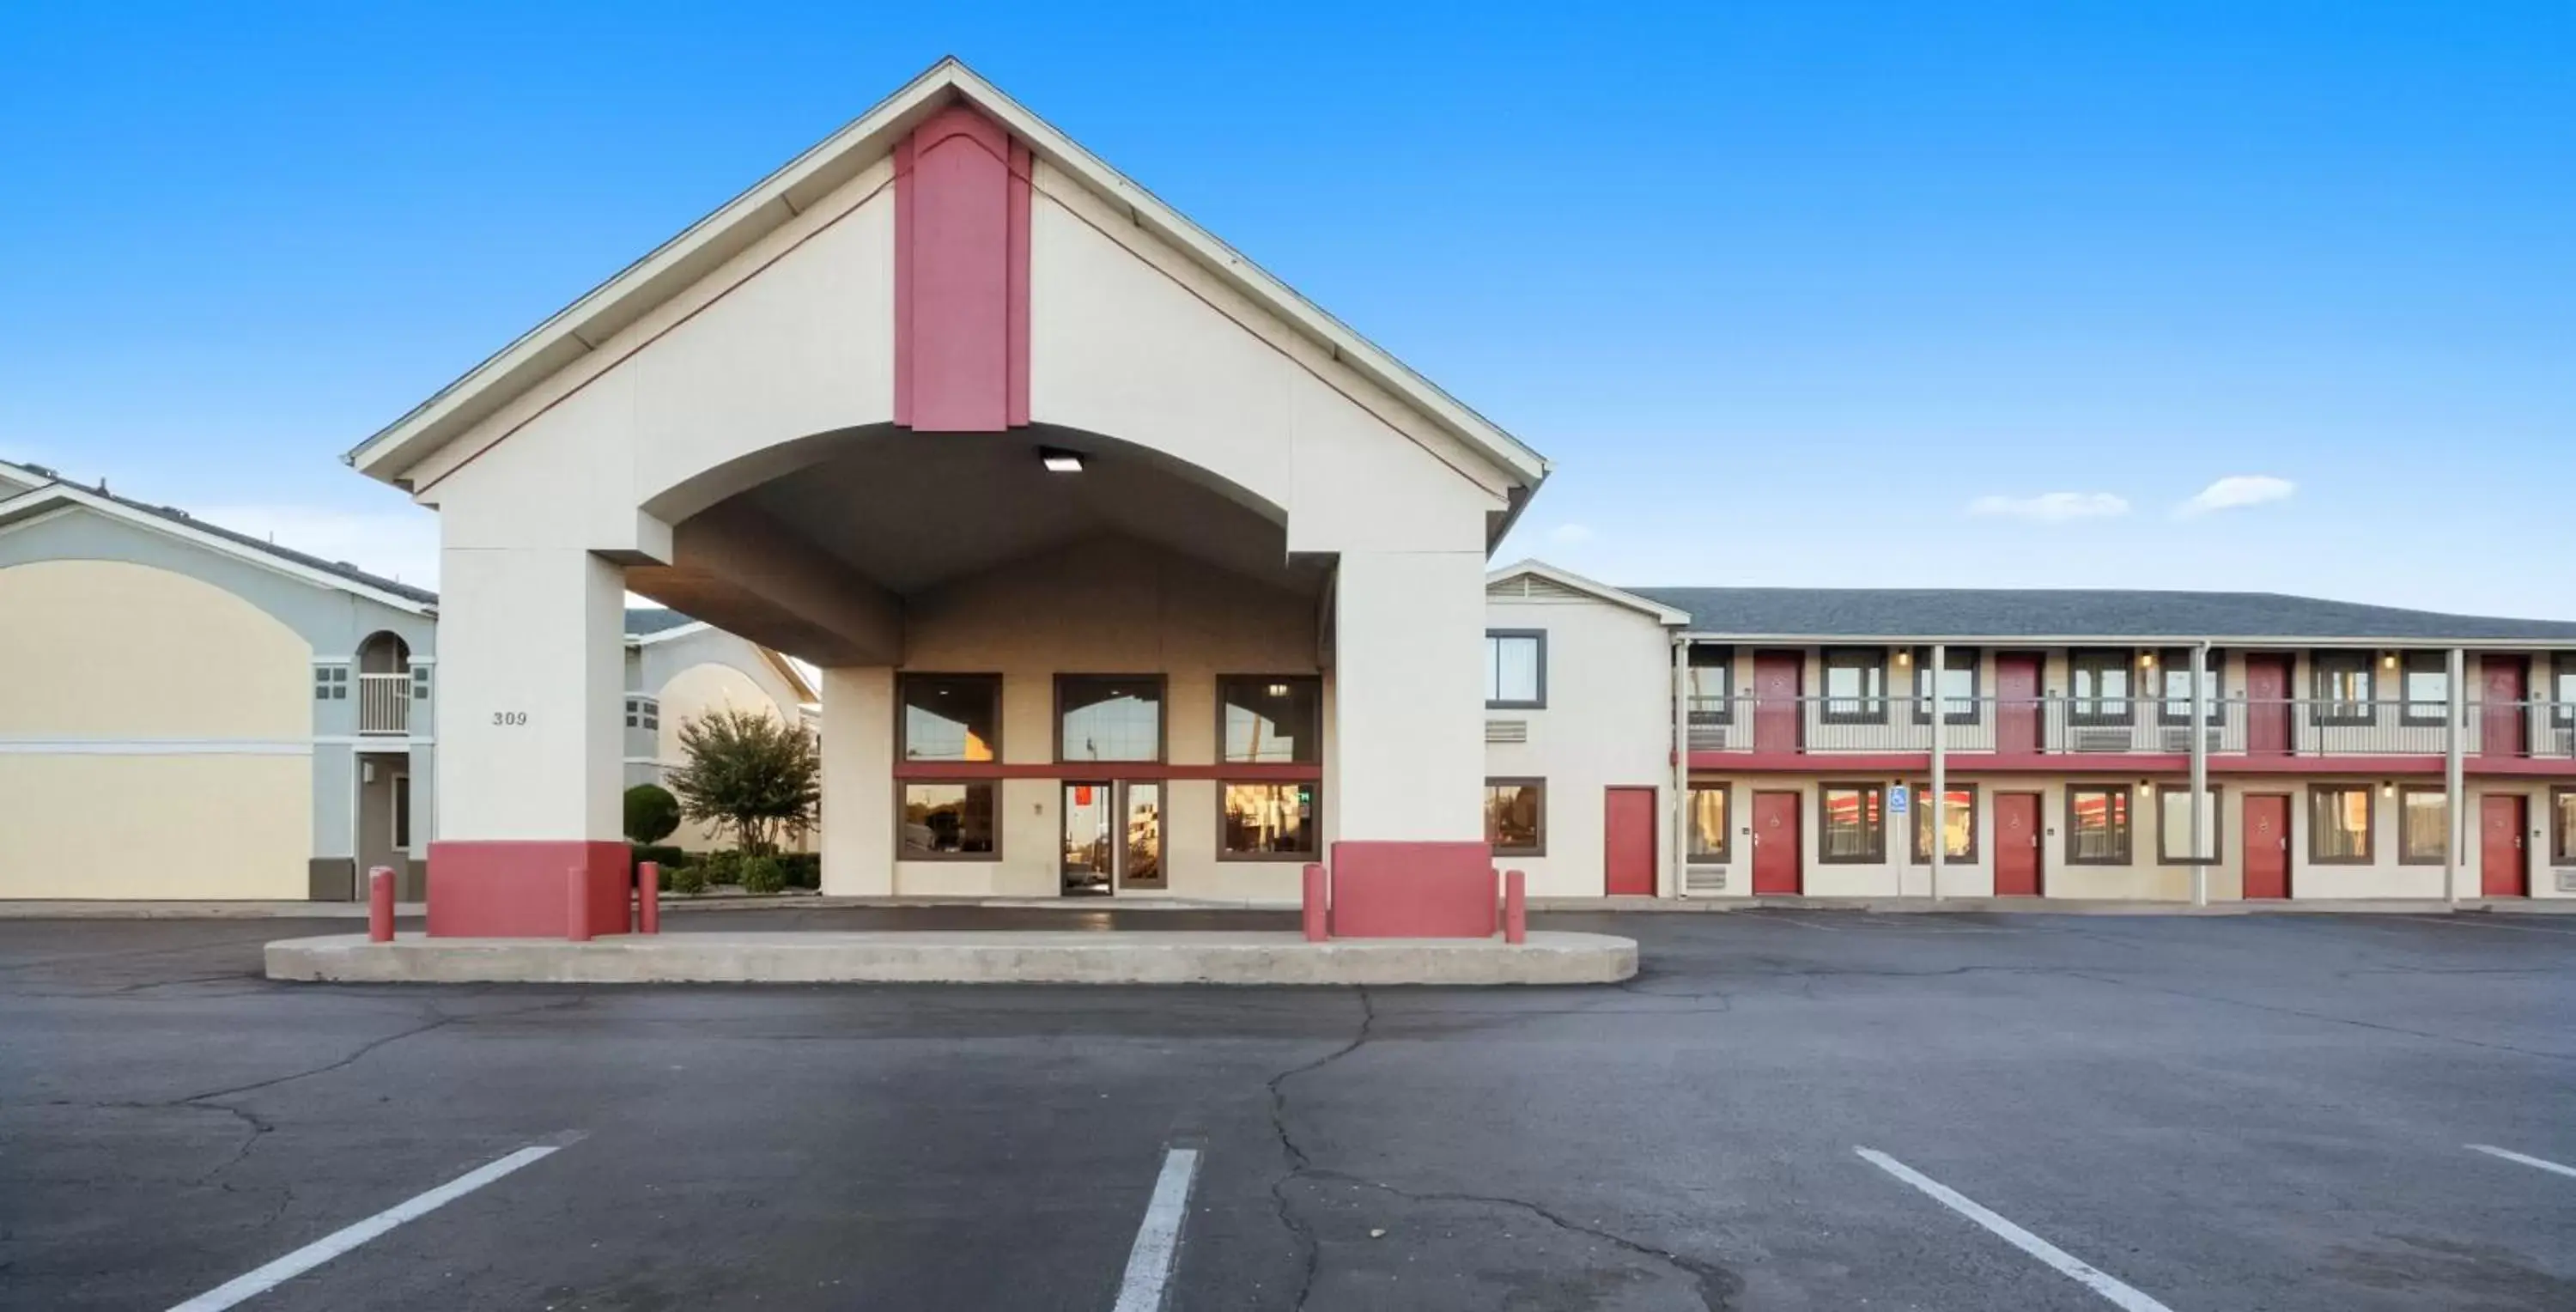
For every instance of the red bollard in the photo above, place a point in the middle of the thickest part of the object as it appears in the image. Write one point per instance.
(577, 904)
(648, 898)
(1515, 907)
(380, 905)
(1316, 929)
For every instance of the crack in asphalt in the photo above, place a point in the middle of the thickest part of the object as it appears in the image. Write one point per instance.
(1310, 1254)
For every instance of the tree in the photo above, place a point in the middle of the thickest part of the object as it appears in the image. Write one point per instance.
(651, 814)
(753, 774)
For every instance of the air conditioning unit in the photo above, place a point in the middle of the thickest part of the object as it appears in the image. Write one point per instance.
(2098, 740)
(2178, 740)
(1506, 731)
(2566, 740)
(2567, 879)
(1712, 879)
(1708, 737)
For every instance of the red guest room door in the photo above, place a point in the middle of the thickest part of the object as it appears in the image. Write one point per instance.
(2267, 708)
(2017, 844)
(2501, 722)
(1628, 842)
(2267, 845)
(1776, 675)
(1777, 862)
(2016, 703)
(2501, 870)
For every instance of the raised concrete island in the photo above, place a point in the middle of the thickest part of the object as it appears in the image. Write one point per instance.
(957, 957)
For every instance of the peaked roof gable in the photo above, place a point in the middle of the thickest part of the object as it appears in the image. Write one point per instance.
(170, 521)
(1572, 582)
(703, 246)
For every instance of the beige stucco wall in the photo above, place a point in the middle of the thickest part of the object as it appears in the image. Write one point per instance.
(1607, 722)
(155, 738)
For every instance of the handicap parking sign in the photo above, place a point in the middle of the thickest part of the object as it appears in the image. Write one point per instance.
(1896, 800)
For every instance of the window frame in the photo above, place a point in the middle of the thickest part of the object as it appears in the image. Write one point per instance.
(2562, 689)
(1876, 855)
(1536, 782)
(1312, 851)
(2216, 673)
(1873, 706)
(1724, 664)
(331, 681)
(1162, 719)
(2128, 828)
(1222, 705)
(904, 786)
(2323, 665)
(1914, 828)
(2369, 825)
(2406, 703)
(903, 715)
(643, 712)
(1725, 853)
(1923, 701)
(1493, 671)
(2441, 855)
(2217, 824)
(2081, 659)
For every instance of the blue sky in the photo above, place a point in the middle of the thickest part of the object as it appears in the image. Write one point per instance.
(1799, 293)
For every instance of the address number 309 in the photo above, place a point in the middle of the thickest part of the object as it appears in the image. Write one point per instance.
(510, 719)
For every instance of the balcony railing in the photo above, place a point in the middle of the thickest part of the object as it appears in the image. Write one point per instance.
(384, 703)
(1825, 726)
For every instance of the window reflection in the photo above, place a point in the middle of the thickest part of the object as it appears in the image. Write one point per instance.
(950, 717)
(1109, 719)
(1272, 720)
(1269, 820)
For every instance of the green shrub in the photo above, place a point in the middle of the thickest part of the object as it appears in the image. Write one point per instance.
(691, 879)
(720, 867)
(803, 869)
(752, 773)
(651, 813)
(761, 874)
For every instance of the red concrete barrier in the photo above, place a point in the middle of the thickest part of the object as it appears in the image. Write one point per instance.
(511, 888)
(1515, 906)
(380, 905)
(1316, 928)
(1413, 890)
(577, 904)
(648, 898)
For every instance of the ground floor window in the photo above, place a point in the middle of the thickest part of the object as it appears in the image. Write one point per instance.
(2173, 824)
(1958, 824)
(1709, 824)
(2098, 827)
(949, 821)
(1851, 826)
(1516, 816)
(1268, 822)
(2339, 824)
(2423, 825)
(2562, 825)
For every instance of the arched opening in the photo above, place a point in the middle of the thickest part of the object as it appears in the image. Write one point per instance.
(384, 684)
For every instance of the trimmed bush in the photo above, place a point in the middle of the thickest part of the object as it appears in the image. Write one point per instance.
(761, 874)
(667, 857)
(720, 867)
(803, 869)
(685, 879)
(652, 814)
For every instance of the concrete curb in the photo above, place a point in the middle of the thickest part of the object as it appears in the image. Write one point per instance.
(958, 957)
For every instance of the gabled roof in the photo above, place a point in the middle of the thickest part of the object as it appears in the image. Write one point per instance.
(1924, 614)
(15, 479)
(591, 321)
(1559, 583)
(174, 522)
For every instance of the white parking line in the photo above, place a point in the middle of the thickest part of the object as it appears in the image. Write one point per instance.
(2120, 1295)
(1158, 1240)
(2511, 1156)
(2459, 923)
(322, 1250)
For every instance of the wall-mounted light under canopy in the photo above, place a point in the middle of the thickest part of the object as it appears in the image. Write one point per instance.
(1060, 461)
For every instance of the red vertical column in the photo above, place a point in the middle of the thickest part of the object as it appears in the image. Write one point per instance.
(961, 280)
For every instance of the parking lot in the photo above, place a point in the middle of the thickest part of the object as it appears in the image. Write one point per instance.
(1793, 1109)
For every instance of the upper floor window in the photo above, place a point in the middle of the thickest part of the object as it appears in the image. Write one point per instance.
(2344, 692)
(1109, 717)
(2176, 676)
(1855, 685)
(1957, 689)
(2100, 686)
(643, 712)
(2563, 688)
(330, 683)
(951, 717)
(2426, 686)
(1516, 668)
(1271, 720)
(1711, 686)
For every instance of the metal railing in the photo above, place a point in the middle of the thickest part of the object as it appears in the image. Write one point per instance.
(384, 703)
(2050, 725)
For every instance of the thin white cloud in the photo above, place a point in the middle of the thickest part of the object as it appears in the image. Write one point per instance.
(2052, 507)
(1569, 534)
(2238, 490)
(399, 544)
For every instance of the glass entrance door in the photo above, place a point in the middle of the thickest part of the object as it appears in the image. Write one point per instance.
(1113, 837)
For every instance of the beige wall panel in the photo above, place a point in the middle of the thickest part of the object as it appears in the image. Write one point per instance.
(1608, 721)
(100, 649)
(197, 826)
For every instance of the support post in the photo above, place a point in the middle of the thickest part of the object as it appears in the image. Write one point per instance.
(577, 903)
(1318, 928)
(1515, 906)
(1940, 800)
(2201, 855)
(1677, 866)
(648, 898)
(2454, 815)
(380, 905)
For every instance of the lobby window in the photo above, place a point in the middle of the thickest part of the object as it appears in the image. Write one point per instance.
(1271, 719)
(2098, 827)
(1851, 826)
(2562, 826)
(2175, 673)
(2339, 824)
(2426, 686)
(1710, 832)
(1109, 717)
(1711, 686)
(2101, 686)
(1516, 669)
(2343, 689)
(1958, 824)
(948, 822)
(2173, 823)
(1958, 685)
(1267, 822)
(951, 717)
(1516, 816)
(1855, 685)
(2423, 825)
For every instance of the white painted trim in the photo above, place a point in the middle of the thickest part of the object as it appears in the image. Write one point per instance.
(2511, 1156)
(2119, 1295)
(665, 635)
(70, 496)
(1603, 591)
(155, 747)
(1158, 1239)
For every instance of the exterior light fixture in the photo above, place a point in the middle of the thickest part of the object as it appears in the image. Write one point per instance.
(1904, 657)
(1279, 690)
(1060, 461)
(2388, 660)
(2147, 659)
(2388, 788)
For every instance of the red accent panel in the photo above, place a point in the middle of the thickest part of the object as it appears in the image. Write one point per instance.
(1628, 842)
(2112, 763)
(515, 889)
(1099, 770)
(2267, 845)
(1413, 890)
(961, 276)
